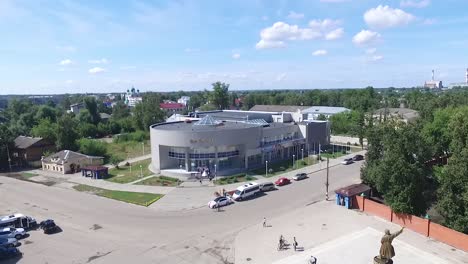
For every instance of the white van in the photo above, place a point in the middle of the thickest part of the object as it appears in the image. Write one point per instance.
(245, 191)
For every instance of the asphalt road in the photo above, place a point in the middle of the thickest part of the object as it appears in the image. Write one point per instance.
(100, 230)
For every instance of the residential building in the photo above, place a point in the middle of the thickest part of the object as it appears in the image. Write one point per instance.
(301, 113)
(67, 161)
(76, 108)
(29, 150)
(403, 114)
(172, 108)
(230, 141)
(184, 100)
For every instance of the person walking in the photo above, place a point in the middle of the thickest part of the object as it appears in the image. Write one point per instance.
(294, 243)
(264, 222)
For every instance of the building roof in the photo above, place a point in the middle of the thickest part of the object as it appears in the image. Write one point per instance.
(325, 110)
(404, 113)
(278, 108)
(171, 105)
(95, 168)
(234, 115)
(351, 190)
(69, 156)
(22, 142)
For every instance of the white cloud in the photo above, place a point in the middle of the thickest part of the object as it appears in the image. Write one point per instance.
(325, 24)
(128, 67)
(387, 17)
(191, 50)
(365, 37)
(96, 70)
(236, 56)
(99, 61)
(415, 3)
(334, 34)
(66, 62)
(294, 15)
(377, 58)
(280, 32)
(320, 52)
(281, 77)
(371, 51)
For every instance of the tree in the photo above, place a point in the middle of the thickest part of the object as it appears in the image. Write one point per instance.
(66, 133)
(85, 117)
(87, 130)
(91, 106)
(220, 95)
(6, 145)
(453, 192)
(93, 147)
(322, 117)
(120, 110)
(395, 167)
(148, 112)
(115, 160)
(46, 112)
(45, 129)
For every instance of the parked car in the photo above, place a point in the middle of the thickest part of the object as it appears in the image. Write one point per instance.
(358, 157)
(300, 176)
(220, 201)
(8, 253)
(267, 186)
(347, 161)
(9, 242)
(49, 226)
(282, 181)
(17, 233)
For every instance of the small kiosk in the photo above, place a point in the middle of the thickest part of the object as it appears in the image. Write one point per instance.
(95, 172)
(344, 196)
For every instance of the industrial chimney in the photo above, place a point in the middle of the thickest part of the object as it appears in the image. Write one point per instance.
(432, 74)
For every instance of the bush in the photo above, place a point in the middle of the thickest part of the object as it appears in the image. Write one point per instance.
(138, 136)
(115, 160)
(93, 147)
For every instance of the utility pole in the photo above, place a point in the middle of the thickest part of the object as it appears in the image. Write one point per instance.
(266, 168)
(326, 183)
(9, 159)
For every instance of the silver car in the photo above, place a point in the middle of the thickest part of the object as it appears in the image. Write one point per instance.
(9, 242)
(17, 233)
(267, 186)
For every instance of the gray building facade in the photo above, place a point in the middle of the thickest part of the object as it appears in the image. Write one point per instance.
(228, 145)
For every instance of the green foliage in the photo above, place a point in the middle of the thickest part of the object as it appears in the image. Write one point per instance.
(91, 105)
(66, 133)
(87, 130)
(147, 112)
(395, 166)
(120, 110)
(6, 145)
(93, 147)
(138, 136)
(453, 192)
(46, 112)
(45, 129)
(126, 125)
(220, 95)
(115, 160)
(85, 117)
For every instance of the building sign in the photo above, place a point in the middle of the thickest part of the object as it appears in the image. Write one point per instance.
(202, 140)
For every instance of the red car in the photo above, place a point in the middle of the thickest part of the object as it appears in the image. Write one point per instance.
(282, 181)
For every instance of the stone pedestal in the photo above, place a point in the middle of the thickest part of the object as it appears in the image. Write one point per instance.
(378, 260)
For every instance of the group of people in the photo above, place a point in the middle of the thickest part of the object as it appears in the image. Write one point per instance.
(204, 172)
(283, 243)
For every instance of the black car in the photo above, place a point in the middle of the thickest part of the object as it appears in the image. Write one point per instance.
(7, 253)
(49, 226)
(358, 157)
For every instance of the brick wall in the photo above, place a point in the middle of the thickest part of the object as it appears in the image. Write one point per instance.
(417, 224)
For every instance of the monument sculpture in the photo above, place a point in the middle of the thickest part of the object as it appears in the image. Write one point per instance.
(387, 252)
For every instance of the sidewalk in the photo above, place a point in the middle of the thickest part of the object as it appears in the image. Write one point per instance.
(335, 235)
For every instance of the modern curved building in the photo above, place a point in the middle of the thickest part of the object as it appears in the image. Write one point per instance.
(231, 141)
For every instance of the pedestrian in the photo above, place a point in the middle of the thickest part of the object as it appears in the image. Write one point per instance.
(200, 181)
(264, 221)
(294, 243)
(312, 260)
(218, 207)
(224, 192)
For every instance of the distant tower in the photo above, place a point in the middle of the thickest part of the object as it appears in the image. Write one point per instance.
(466, 78)
(432, 74)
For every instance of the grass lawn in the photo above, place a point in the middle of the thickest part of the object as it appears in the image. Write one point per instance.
(28, 175)
(129, 149)
(284, 166)
(160, 181)
(123, 175)
(143, 199)
(242, 177)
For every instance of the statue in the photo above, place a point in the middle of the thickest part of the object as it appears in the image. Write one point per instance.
(387, 252)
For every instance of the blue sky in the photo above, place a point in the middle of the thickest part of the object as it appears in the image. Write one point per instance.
(108, 46)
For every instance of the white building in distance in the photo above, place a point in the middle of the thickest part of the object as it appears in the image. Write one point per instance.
(133, 97)
(184, 100)
(433, 84)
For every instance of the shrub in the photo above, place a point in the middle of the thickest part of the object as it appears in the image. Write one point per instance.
(93, 147)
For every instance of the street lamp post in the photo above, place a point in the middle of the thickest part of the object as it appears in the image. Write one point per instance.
(266, 168)
(302, 151)
(326, 183)
(143, 145)
(141, 170)
(216, 171)
(293, 160)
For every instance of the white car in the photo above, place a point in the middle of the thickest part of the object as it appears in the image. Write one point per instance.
(220, 201)
(347, 161)
(14, 232)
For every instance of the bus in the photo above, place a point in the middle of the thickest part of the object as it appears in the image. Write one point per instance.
(17, 221)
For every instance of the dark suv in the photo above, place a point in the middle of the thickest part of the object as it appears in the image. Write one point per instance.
(49, 226)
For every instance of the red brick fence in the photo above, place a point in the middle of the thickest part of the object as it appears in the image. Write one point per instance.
(417, 224)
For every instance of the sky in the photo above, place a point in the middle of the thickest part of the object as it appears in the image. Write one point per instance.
(66, 46)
